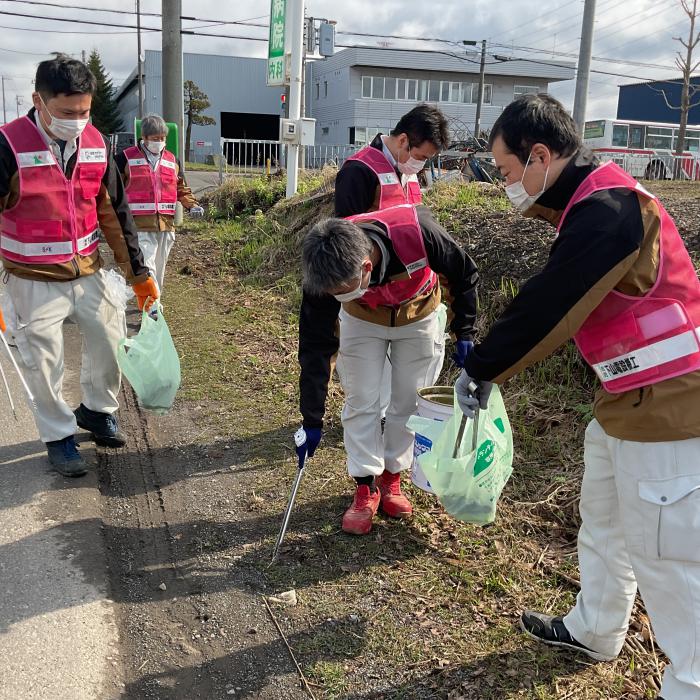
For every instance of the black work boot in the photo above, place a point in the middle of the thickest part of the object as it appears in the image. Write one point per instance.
(552, 631)
(103, 426)
(65, 458)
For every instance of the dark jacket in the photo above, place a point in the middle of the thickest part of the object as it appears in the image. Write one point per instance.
(318, 341)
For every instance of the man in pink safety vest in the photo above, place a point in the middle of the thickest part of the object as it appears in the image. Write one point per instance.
(154, 184)
(620, 282)
(378, 274)
(59, 188)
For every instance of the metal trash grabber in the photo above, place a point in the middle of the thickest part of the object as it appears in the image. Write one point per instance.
(19, 372)
(299, 439)
(463, 424)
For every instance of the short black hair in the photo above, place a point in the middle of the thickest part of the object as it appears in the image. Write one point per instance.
(64, 75)
(424, 123)
(535, 119)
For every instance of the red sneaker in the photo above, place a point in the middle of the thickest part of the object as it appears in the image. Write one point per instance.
(357, 519)
(393, 502)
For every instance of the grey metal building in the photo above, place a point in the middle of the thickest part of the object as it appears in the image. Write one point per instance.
(352, 95)
(361, 91)
(243, 106)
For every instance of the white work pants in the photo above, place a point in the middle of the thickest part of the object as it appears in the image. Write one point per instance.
(41, 308)
(156, 247)
(361, 359)
(640, 512)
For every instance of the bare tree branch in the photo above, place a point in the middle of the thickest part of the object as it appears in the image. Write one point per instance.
(663, 93)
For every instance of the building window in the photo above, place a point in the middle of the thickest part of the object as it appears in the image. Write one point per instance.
(423, 90)
(467, 93)
(434, 91)
(325, 130)
(412, 91)
(390, 88)
(401, 89)
(487, 94)
(378, 88)
(366, 86)
(444, 91)
(525, 90)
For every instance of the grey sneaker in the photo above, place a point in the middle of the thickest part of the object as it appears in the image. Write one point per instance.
(65, 458)
(552, 631)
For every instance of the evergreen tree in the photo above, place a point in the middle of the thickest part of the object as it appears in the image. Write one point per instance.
(104, 111)
(195, 103)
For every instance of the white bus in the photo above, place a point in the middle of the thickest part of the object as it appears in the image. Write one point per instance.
(645, 149)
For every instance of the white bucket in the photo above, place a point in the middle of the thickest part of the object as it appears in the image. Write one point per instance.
(436, 402)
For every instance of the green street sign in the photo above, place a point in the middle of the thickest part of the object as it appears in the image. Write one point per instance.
(275, 47)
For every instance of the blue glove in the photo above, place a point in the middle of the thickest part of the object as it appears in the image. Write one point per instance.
(306, 441)
(464, 347)
(196, 212)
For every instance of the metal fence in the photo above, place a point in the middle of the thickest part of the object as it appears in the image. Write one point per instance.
(657, 166)
(250, 157)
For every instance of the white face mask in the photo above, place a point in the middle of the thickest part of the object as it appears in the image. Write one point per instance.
(354, 294)
(65, 129)
(155, 147)
(519, 196)
(412, 166)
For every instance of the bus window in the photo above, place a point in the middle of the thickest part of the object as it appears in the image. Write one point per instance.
(594, 130)
(692, 140)
(636, 137)
(619, 135)
(659, 138)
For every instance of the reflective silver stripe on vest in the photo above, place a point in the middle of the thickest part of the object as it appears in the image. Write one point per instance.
(36, 249)
(648, 357)
(87, 241)
(143, 206)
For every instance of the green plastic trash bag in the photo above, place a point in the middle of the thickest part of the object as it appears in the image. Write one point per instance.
(470, 485)
(150, 362)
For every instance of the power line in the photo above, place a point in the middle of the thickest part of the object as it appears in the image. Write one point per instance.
(536, 19)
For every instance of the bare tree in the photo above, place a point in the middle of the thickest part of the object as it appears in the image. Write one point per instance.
(687, 67)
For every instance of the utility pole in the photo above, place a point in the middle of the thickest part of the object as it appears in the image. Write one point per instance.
(295, 25)
(480, 97)
(173, 107)
(139, 64)
(82, 53)
(4, 111)
(18, 101)
(584, 65)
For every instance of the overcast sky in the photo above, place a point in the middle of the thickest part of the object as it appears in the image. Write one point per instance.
(637, 31)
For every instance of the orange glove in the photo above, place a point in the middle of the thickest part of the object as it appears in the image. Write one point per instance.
(146, 293)
(3, 327)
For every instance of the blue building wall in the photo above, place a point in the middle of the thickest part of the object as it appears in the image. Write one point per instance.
(642, 102)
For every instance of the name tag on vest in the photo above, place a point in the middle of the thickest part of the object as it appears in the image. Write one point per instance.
(35, 159)
(167, 164)
(92, 155)
(388, 179)
(417, 265)
(138, 161)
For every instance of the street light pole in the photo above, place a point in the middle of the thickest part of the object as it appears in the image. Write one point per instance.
(139, 64)
(480, 93)
(295, 25)
(584, 65)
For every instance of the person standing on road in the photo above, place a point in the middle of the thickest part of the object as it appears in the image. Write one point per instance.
(154, 185)
(378, 273)
(58, 188)
(620, 282)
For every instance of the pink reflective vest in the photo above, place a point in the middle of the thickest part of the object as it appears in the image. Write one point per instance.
(631, 341)
(391, 193)
(404, 232)
(151, 191)
(54, 218)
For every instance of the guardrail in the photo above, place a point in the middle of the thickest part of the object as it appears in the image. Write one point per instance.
(250, 156)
